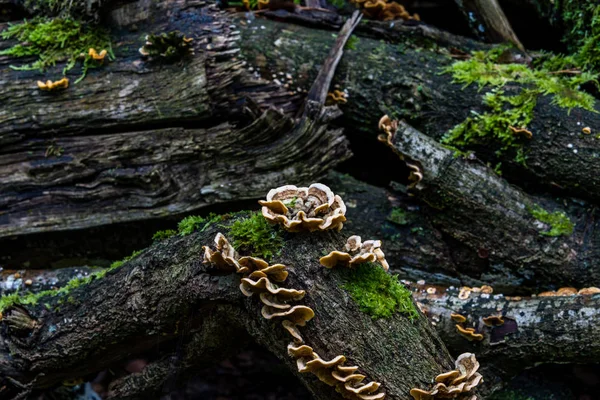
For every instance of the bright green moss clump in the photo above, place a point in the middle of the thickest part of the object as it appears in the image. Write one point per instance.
(508, 112)
(162, 235)
(194, 223)
(256, 235)
(559, 222)
(55, 41)
(398, 216)
(378, 293)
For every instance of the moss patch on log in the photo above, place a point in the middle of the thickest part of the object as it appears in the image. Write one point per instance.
(55, 41)
(378, 293)
(559, 223)
(194, 223)
(255, 235)
(511, 113)
(13, 299)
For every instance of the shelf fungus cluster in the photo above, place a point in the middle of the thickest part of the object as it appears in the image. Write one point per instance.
(50, 85)
(336, 97)
(357, 252)
(467, 333)
(299, 209)
(94, 55)
(344, 378)
(456, 384)
(570, 291)
(384, 11)
(258, 279)
(310, 208)
(168, 46)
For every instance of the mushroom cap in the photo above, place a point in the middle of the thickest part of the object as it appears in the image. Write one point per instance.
(272, 301)
(447, 376)
(420, 394)
(293, 331)
(275, 206)
(493, 320)
(458, 318)
(334, 258)
(469, 333)
(353, 243)
(589, 291)
(297, 314)
(467, 365)
(363, 258)
(300, 351)
(566, 291)
(249, 287)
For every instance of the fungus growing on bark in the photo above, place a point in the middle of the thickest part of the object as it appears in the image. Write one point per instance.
(589, 291)
(373, 8)
(304, 209)
(168, 46)
(587, 130)
(456, 384)
(458, 318)
(225, 257)
(464, 293)
(49, 85)
(262, 4)
(469, 333)
(97, 56)
(336, 97)
(361, 252)
(566, 291)
(493, 320)
(389, 126)
(527, 133)
(344, 378)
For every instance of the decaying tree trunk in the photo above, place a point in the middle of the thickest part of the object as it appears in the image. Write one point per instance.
(560, 329)
(475, 206)
(167, 296)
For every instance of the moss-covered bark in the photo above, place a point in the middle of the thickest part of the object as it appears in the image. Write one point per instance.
(166, 295)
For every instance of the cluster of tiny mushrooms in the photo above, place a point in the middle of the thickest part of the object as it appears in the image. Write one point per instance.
(64, 82)
(317, 208)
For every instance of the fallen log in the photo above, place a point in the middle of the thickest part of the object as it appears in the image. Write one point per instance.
(167, 296)
(531, 330)
(502, 223)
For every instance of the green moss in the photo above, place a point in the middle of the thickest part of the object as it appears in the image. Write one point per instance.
(162, 235)
(55, 41)
(493, 128)
(9, 300)
(256, 235)
(559, 223)
(378, 293)
(517, 109)
(194, 223)
(581, 19)
(398, 216)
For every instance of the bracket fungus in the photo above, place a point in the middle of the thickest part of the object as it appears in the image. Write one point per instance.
(469, 333)
(458, 318)
(304, 209)
(336, 97)
(169, 46)
(97, 56)
(50, 85)
(455, 384)
(358, 252)
(493, 320)
(334, 373)
(384, 11)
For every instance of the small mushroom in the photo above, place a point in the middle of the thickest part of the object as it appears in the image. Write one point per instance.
(50, 85)
(336, 97)
(458, 318)
(464, 293)
(566, 291)
(493, 320)
(97, 56)
(368, 251)
(587, 130)
(453, 384)
(469, 333)
(589, 291)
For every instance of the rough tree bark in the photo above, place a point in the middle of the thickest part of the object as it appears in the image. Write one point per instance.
(167, 296)
(560, 329)
(477, 207)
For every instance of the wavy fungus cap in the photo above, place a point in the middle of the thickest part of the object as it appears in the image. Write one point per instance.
(455, 384)
(310, 208)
